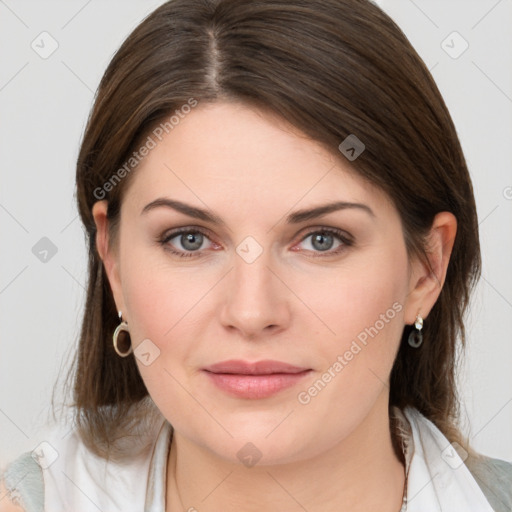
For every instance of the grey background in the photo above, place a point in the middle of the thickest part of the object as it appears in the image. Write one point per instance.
(44, 104)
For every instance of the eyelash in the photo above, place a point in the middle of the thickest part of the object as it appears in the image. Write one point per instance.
(341, 235)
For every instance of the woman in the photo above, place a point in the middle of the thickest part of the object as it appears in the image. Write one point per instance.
(283, 241)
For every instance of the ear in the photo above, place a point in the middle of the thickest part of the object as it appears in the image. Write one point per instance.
(107, 253)
(426, 282)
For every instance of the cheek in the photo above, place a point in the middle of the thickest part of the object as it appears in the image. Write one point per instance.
(366, 313)
(362, 306)
(151, 304)
(160, 303)
(367, 293)
(166, 305)
(159, 297)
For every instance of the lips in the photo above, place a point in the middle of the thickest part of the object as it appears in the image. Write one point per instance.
(258, 368)
(256, 380)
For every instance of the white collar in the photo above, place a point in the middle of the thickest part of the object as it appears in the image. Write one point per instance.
(437, 478)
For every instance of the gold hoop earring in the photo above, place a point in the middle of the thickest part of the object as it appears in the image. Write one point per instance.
(122, 336)
(416, 336)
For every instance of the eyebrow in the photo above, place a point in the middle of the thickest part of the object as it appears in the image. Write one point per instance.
(293, 218)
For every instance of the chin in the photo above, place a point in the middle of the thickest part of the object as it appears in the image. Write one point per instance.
(259, 443)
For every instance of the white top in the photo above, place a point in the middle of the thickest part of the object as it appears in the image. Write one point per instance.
(71, 478)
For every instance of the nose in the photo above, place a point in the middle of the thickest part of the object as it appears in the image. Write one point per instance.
(256, 301)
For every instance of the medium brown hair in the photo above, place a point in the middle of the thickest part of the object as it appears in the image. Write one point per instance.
(331, 68)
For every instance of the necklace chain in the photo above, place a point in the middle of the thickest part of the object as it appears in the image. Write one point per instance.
(403, 508)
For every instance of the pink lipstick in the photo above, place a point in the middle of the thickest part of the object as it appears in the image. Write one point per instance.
(260, 379)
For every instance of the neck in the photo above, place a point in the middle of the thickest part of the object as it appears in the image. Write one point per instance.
(360, 473)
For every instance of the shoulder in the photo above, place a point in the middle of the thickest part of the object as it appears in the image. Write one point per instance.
(22, 486)
(494, 476)
(63, 475)
(8, 503)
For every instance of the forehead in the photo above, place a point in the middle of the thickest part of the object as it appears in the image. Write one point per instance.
(232, 154)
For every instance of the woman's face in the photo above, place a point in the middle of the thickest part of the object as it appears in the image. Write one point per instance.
(248, 275)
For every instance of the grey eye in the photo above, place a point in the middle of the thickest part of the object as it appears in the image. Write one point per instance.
(191, 241)
(322, 241)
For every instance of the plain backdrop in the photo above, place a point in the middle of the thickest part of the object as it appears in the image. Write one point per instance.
(44, 104)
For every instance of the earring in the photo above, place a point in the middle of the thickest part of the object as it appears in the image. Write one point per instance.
(122, 336)
(416, 336)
